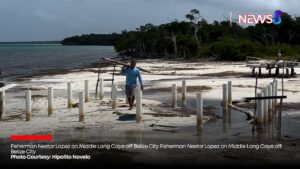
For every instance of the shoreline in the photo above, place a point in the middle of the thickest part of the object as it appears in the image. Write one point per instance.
(161, 122)
(93, 66)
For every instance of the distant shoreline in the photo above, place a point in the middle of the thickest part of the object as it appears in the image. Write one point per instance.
(32, 42)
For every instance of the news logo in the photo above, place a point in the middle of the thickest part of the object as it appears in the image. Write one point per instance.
(261, 18)
(277, 17)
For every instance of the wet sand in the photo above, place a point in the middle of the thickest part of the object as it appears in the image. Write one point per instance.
(161, 123)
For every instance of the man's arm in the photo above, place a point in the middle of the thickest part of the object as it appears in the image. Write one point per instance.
(123, 71)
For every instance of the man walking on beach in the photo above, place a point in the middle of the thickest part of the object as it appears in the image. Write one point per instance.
(131, 73)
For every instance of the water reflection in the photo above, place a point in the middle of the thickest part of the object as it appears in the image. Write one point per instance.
(268, 130)
(135, 136)
(200, 132)
(229, 118)
(226, 119)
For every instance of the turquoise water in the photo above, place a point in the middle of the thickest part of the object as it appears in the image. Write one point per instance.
(26, 59)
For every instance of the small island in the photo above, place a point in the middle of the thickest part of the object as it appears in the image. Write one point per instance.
(195, 38)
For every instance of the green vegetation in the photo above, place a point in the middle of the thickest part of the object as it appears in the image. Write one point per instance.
(92, 39)
(196, 38)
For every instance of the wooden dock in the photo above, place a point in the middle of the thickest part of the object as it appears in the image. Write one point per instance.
(287, 66)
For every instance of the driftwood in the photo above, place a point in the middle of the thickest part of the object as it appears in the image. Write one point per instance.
(124, 64)
(250, 115)
(7, 87)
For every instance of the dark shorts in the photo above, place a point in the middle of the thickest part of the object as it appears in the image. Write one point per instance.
(130, 91)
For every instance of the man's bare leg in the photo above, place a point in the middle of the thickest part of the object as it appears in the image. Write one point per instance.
(132, 100)
(129, 102)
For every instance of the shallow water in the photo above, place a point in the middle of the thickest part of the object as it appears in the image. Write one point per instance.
(27, 59)
(232, 127)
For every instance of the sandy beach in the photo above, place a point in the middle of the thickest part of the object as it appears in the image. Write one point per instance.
(160, 122)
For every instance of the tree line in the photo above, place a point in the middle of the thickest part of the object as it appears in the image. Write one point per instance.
(196, 38)
(92, 39)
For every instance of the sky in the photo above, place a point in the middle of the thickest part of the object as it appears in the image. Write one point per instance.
(43, 20)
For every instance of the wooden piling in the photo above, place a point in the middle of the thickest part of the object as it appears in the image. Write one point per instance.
(101, 89)
(253, 71)
(183, 93)
(70, 103)
(259, 114)
(139, 108)
(229, 92)
(287, 72)
(292, 71)
(2, 104)
(262, 106)
(28, 105)
(277, 71)
(266, 112)
(114, 96)
(275, 91)
(269, 103)
(273, 94)
(50, 101)
(174, 95)
(225, 96)
(86, 91)
(81, 107)
(199, 105)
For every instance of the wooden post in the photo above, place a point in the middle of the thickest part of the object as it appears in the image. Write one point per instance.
(266, 111)
(230, 93)
(225, 96)
(81, 107)
(183, 93)
(270, 103)
(199, 105)
(114, 96)
(112, 82)
(275, 91)
(70, 103)
(101, 89)
(2, 104)
(292, 71)
(28, 105)
(50, 101)
(253, 71)
(263, 106)
(273, 94)
(287, 72)
(174, 95)
(259, 114)
(86, 91)
(277, 71)
(139, 106)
